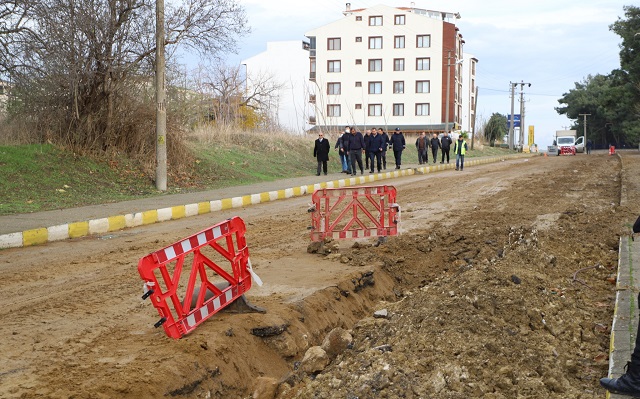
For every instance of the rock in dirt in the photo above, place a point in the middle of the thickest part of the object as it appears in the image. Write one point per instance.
(314, 360)
(265, 388)
(381, 314)
(336, 342)
(269, 331)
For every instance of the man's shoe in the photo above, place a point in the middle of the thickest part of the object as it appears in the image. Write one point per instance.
(457, 169)
(442, 162)
(317, 174)
(623, 385)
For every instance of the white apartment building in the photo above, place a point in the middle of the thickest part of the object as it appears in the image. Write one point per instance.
(388, 67)
(468, 104)
(287, 63)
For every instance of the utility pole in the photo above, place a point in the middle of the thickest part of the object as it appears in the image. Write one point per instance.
(161, 108)
(584, 143)
(522, 125)
(475, 114)
(510, 138)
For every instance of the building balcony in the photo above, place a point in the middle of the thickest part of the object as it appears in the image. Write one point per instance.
(312, 120)
(312, 98)
(312, 76)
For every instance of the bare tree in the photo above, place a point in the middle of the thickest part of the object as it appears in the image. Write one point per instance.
(84, 70)
(230, 91)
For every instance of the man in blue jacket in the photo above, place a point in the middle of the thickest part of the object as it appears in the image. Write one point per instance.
(354, 150)
(398, 145)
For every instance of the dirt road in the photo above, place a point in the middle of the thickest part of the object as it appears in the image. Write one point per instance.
(498, 287)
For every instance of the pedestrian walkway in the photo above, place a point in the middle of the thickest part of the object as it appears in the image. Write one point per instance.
(625, 317)
(38, 228)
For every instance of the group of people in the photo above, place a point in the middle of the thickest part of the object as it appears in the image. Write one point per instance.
(352, 144)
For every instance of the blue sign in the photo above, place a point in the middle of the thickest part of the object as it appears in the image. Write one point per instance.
(516, 120)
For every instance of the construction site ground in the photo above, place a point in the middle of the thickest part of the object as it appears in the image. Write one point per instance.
(500, 285)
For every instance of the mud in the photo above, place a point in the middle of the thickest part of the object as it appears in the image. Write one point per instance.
(501, 285)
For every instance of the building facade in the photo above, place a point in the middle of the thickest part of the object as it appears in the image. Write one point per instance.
(387, 67)
(287, 63)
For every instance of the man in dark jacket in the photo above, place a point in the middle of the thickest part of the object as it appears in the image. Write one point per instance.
(376, 143)
(367, 137)
(343, 155)
(398, 145)
(434, 144)
(385, 138)
(354, 150)
(321, 152)
(445, 144)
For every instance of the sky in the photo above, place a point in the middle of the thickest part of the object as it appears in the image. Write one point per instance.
(551, 44)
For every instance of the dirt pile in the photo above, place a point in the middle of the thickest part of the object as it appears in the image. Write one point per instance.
(499, 287)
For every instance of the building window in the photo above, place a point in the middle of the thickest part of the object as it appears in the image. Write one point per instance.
(423, 41)
(398, 20)
(398, 42)
(358, 17)
(334, 88)
(423, 64)
(422, 109)
(333, 43)
(398, 109)
(358, 61)
(375, 87)
(423, 86)
(333, 66)
(358, 106)
(375, 65)
(398, 87)
(333, 110)
(358, 39)
(398, 64)
(375, 20)
(358, 84)
(375, 42)
(375, 109)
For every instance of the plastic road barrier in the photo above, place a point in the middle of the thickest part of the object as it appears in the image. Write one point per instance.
(193, 279)
(353, 212)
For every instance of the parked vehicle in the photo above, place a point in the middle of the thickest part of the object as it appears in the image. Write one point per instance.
(566, 142)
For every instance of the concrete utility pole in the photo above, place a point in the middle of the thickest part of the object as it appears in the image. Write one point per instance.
(475, 114)
(161, 108)
(584, 143)
(510, 138)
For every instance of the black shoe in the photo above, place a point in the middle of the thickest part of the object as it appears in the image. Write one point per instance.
(317, 174)
(442, 162)
(353, 174)
(457, 169)
(624, 385)
(325, 173)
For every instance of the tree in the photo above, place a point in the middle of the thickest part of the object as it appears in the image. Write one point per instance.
(496, 128)
(84, 72)
(613, 100)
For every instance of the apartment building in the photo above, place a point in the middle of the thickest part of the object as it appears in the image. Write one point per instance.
(389, 67)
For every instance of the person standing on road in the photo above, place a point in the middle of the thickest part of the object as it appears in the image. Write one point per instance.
(589, 146)
(385, 138)
(341, 150)
(435, 144)
(629, 382)
(398, 143)
(356, 146)
(376, 143)
(459, 149)
(321, 153)
(445, 145)
(422, 145)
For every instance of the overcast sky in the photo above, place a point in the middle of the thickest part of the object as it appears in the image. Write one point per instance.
(549, 43)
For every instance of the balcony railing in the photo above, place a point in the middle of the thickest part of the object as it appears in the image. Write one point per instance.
(312, 120)
(312, 76)
(312, 98)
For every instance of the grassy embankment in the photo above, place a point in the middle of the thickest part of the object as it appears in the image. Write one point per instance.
(43, 177)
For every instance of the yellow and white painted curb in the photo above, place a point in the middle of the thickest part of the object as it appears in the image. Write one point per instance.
(116, 223)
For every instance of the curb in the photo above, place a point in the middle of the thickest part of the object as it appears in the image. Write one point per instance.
(114, 223)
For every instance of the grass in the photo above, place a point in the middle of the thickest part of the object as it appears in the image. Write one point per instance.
(36, 178)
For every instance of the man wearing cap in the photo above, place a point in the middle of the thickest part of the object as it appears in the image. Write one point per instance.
(398, 145)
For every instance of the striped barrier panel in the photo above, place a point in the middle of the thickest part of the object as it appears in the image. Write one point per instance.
(191, 280)
(354, 212)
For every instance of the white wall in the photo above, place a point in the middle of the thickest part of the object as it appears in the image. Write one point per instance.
(288, 63)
